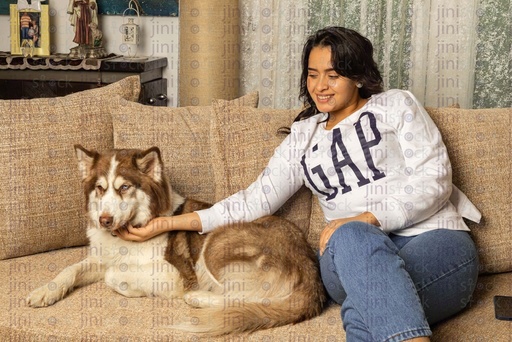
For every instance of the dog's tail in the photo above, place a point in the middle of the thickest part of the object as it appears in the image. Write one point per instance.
(254, 282)
(239, 315)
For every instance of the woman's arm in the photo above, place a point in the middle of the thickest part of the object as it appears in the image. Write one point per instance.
(279, 180)
(159, 225)
(274, 186)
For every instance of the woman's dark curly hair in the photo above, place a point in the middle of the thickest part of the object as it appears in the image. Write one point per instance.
(352, 57)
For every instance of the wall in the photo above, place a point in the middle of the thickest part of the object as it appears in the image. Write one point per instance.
(160, 37)
(209, 51)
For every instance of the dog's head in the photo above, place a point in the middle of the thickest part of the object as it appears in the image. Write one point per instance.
(123, 186)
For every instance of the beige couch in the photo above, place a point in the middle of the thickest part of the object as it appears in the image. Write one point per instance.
(209, 152)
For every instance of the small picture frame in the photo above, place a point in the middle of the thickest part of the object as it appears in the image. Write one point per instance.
(30, 31)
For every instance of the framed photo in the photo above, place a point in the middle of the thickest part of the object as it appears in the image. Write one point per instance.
(30, 31)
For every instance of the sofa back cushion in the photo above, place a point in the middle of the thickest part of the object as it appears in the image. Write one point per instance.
(41, 203)
(183, 136)
(479, 145)
(243, 140)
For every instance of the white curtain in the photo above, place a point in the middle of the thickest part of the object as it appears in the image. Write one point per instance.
(445, 52)
(272, 34)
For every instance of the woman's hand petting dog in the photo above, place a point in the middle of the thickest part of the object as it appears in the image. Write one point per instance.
(332, 226)
(159, 225)
(153, 228)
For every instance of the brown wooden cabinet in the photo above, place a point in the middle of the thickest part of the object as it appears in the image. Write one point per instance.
(46, 82)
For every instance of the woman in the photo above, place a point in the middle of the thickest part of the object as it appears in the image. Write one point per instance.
(395, 252)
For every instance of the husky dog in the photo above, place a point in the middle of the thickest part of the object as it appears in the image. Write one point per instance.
(270, 260)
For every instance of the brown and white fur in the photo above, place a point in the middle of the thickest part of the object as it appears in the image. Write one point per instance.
(241, 277)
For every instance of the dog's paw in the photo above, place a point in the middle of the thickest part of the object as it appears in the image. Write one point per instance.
(44, 296)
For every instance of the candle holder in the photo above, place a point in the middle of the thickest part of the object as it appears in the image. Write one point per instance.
(130, 31)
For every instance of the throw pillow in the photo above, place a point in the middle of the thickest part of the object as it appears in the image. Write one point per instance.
(41, 203)
(183, 136)
(243, 140)
(479, 145)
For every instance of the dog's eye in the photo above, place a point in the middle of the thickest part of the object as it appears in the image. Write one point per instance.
(123, 188)
(100, 188)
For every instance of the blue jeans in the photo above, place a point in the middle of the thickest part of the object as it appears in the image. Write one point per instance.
(24, 33)
(392, 287)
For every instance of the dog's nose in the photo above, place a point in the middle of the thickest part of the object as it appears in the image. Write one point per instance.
(106, 221)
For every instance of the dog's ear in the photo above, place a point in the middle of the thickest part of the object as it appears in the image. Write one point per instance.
(150, 163)
(85, 160)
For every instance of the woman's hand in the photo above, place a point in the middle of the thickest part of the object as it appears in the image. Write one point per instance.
(326, 234)
(332, 226)
(153, 228)
(159, 225)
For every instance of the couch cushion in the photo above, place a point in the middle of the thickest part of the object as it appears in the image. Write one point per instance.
(97, 313)
(477, 322)
(479, 145)
(243, 140)
(183, 136)
(41, 204)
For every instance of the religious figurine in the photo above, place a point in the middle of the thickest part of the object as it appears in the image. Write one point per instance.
(84, 19)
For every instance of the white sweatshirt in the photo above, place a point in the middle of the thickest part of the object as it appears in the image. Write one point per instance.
(387, 158)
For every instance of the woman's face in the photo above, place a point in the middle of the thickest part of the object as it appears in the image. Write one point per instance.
(332, 93)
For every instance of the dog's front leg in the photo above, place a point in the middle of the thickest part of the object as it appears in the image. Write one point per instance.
(156, 279)
(87, 271)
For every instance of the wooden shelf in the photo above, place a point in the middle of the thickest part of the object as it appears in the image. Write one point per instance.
(50, 82)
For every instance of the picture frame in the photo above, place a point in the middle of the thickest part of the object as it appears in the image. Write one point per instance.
(30, 31)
